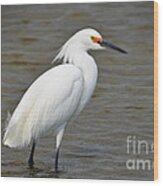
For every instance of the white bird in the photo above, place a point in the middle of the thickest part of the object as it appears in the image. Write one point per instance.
(58, 94)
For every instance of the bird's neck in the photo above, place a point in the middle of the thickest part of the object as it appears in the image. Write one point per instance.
(78, 56)
(84, 62)
(88, 67)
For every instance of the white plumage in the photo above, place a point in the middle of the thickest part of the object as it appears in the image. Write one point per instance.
(41, 107)
(57, 95)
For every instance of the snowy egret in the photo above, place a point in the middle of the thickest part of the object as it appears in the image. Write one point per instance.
(58, 94)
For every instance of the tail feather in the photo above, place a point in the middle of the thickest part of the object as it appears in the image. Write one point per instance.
(17, 134)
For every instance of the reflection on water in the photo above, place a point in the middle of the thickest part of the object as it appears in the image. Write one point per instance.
(94, 145)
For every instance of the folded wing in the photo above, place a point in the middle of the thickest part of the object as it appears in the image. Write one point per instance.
(49, 103)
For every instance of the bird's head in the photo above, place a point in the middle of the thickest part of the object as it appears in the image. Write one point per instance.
(82, 41)
(90, 39)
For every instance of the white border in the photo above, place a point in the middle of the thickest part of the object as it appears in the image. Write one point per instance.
(74, 182)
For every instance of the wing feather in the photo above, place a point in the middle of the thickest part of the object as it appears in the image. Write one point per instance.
(48, 103)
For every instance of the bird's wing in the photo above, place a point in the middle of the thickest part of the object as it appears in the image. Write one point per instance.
(49, 102)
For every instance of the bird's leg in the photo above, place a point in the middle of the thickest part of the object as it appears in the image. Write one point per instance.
(56, 160)
(30, 160)
(58, 144)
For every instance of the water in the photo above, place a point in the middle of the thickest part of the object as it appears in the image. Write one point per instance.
(94, 145)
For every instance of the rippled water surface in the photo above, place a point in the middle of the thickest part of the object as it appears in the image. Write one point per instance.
(94, 145)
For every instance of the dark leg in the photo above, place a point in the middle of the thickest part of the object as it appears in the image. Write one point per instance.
(56, 160)
(30, 160)
(58, 144)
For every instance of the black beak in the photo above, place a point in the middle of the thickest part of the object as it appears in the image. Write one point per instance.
(109, 45)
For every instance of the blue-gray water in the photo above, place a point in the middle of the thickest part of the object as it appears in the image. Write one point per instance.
(95, 144)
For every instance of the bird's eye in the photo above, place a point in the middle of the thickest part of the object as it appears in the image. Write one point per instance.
(93, 38)
(96, 39)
